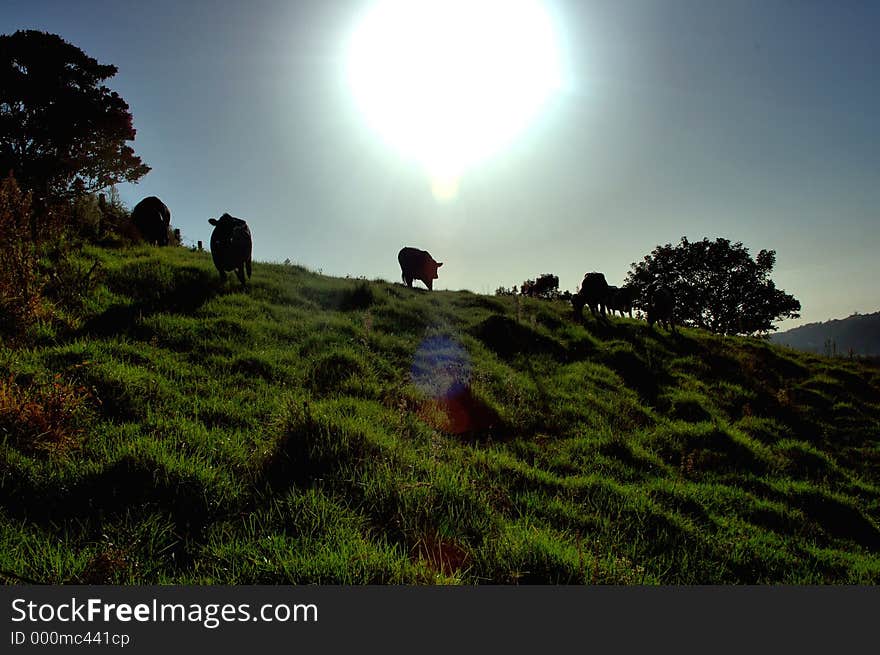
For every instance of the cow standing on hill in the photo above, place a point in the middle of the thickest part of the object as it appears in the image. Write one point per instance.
(661, 307)
(417, 264)
(621, 300)
(152, 218)
(231, 246)
(593, 293)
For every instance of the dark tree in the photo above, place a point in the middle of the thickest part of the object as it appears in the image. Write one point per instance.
(504, 291)
(546, 286)
(62, 132)
(717, 285)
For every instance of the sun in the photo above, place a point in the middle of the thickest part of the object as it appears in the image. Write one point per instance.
(449, 82)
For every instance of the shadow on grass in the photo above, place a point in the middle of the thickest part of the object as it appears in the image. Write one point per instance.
(311, 446)
(177, 290)
(460, 412)
(352, 297)
(688, 409)
(634, 369)
(621, 452)
(838, 519)
(507, 338)
(118, 487)
(708, 449)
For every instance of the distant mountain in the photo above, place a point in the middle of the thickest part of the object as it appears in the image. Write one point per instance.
(859, 332)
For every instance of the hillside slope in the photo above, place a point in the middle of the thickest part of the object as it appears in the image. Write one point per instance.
(323, 430)
(859, 333)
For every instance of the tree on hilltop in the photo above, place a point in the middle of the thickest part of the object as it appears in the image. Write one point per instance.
(546, 286)
(717, 285)
(62, 132)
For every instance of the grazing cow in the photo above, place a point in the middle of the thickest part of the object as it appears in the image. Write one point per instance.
(661, 307)
(593, 293)
(611, 298)
(231, 246)
(152, 218)
(417, 264)
(621, 300)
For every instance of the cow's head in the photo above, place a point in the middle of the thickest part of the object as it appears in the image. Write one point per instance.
(226, 219)
(430, 272)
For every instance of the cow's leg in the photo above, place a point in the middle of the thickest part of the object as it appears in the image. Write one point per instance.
(222, 275)
(407, 281)
(248, 266)
(240, 273)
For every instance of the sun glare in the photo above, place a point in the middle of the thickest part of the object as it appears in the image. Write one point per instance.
(448, 82)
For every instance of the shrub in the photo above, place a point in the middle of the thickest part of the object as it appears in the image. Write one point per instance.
(20, 283)
(38, 270)
(42, 418)
(359, 297)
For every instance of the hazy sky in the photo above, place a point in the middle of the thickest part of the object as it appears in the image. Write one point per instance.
(754, 121)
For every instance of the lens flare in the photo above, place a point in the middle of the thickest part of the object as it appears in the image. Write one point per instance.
(442, 371)
(440, 362)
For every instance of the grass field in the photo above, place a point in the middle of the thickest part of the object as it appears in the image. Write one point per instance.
(324, 430)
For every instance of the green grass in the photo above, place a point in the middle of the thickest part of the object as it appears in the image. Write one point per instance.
(301, 431)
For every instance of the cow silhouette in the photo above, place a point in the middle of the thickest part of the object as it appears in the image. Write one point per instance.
(661, 307)
(231, 246)
(417, 264)
(593, 293)
(621, 299)
(152, 218)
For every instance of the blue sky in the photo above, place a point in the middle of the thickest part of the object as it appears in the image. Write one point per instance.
(754, 121)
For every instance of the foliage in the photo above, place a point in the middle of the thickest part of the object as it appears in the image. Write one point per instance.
(717, 285)
(20, 282)
(104, 219)
(39, 277)
(62, 131)
(546, 286)
(43, 418)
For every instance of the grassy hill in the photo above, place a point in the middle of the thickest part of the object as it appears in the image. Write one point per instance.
(324, 430)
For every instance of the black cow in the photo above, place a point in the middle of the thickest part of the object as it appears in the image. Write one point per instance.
(152, 218)
(231, 246)
(417, 264)
(621, 300)
(661, 307)
(593, 293)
